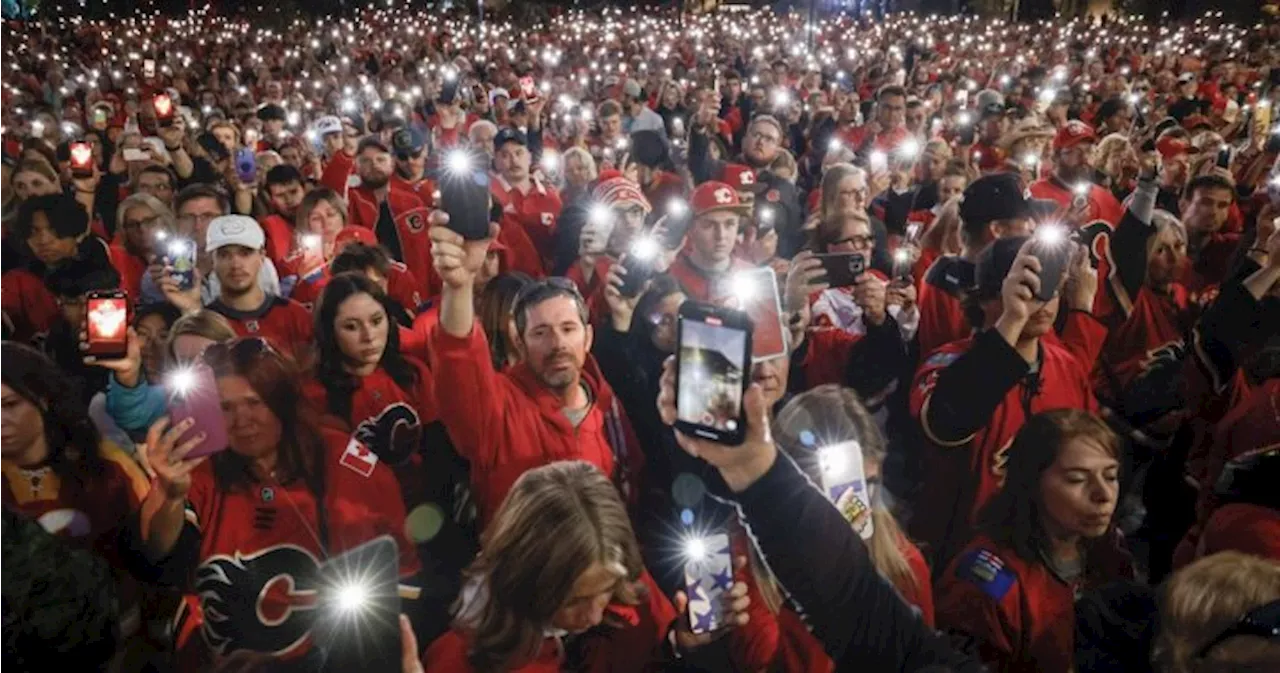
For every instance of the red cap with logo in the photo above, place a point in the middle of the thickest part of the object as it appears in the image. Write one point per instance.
(1073, 133)
(1170, 147)
(740, 177)
(714, 196)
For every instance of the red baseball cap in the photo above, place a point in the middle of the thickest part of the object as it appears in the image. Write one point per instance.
(740, 177)
(1073, 133)
(714, 196)
(1170, 147)
(355, 234)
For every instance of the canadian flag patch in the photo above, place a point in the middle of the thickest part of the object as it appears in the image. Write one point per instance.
(358, 458)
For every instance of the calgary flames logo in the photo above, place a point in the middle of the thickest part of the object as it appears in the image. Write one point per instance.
(394, 434)
(262, 602)
(724, 196)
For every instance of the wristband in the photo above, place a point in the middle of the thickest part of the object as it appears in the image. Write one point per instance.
(173, 149)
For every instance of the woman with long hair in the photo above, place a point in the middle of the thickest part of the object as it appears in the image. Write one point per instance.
(1046, 537)
(321, 215)
(58, 470)
(256, 518)
(494, 308)
(143, 224)
(559, 583)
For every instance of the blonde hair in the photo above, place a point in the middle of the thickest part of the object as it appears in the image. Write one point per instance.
(557, 522)
(202, 323)
(836, 414)
(1108, 147)
(313, 199)
(831, 179)
(1206, 598)
(584, 156)
(145, 200)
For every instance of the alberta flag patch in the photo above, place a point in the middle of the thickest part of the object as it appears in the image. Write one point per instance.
(988, 571)
(358, 458)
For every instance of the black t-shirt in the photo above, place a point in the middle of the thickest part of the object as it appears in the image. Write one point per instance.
(388, 235)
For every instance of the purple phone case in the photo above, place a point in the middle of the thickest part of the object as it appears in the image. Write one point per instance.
(705, 582)
(203, 404)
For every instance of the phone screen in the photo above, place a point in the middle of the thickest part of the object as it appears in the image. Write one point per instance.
(528, 88)
(845, 484)
(81, 159)
(358, 621)
(708, 574)
(711, 368)
(108, 323)
(464, 195)
(180, 255)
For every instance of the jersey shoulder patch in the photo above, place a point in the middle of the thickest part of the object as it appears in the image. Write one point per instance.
(358, 458)
(942, 359)
(983, 568)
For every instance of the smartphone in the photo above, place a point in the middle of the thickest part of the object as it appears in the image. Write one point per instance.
(99, 118)
(757, 295)
(81, 160)
(358, 623)
(193, 394)
(449, 90)
(164, 109)
(148, 68)
(246, 165)
(464, 195)
(967, 135)
(845, 484)
(528, 88)
(107, 323)
(713, 369)
(1054, 258)
(639, 266)
(708, 575)
(843, 268)
(1224, 157)
(180, 257)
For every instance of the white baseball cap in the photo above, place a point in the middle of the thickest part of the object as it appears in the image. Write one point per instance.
(234, 230)
(326, 125)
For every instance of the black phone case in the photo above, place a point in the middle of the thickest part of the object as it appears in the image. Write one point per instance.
(639, 271)
(699, 311)
(842, 268)
(370, 640)
(1053, 266)
(466, 199)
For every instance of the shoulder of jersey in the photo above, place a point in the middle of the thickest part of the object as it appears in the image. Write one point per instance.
(988, 571)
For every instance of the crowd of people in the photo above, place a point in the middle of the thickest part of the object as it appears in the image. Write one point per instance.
(1052, 348)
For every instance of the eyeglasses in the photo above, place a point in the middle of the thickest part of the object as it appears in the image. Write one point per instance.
(857, 241)
(1262, 622)
(225, 356)
(145, 222)
(765, 138)
(202, 218)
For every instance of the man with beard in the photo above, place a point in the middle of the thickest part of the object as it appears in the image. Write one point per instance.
(237, 245)
(411, 164)
(285, 189)
(525, 200)
(1070, 183)
(762, 143)
(553, 405)
(397, 216)
(971, 396)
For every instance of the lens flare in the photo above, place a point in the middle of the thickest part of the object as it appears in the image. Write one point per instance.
(352, 597)
(458, 162)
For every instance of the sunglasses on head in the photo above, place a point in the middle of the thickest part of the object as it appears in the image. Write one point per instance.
(221, 356)
(1261, 622)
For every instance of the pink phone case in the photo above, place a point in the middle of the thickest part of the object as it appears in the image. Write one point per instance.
(203, 404)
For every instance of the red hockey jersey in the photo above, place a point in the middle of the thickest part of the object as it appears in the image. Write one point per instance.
(283, 322)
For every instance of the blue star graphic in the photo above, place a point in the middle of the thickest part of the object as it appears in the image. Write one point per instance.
(722, 580)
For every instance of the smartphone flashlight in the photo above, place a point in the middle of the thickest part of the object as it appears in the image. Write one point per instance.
(599, 214)
(311, 241)
(1051, 234)
(744, 288)
(176, 248)
(1030, 160)
(351, 597)
(909, 148)
(834, 145)
(550, 162)
(161, 235)
(182, 380)
(878, 160)
(695, 548)
(964, 119)
(458, 162)
(833, 460)
(677, 207)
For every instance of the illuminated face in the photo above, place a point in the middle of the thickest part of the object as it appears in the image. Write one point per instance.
(325, 221)
(360, 327)
(950, 187)
(1079, 491)
(374, 168)
(482, 139)
(891, 111)
(611, 126)
(512, 162)
(140, 226)
(763, 143)
(855, 237)
(1073, 163)
(576, 171)
(253, 430)
(285, 198)
(556, 342)
(584, 607)
(1167, 257)
(237, 268)
(713, 237)
(46, 244)
(27, 184)
(772, 376)
(851, 195)
(21, 422)
(225, 135)
(663, 318)
(1208, 209)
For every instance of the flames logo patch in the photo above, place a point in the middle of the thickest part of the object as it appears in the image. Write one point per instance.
(262, 602)
(394, 435)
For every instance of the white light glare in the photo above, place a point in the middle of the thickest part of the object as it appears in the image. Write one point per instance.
(644, 248)
(744, 287)
(352, 597)
(1051, 234)
(458, 162)
(677, 207)
(833, 460)
(695, 548)
(182, 380)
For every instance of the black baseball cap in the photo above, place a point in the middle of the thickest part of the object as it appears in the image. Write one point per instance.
(509, 135)
(994, 263)
(271, 111)
(407, 142)
(994, 197)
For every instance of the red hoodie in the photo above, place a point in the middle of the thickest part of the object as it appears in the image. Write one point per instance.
(505, 424)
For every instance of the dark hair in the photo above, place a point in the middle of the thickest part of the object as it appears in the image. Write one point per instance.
(67, 218)
(608, 108)
(282, 175)
(275, 378)
(1209, 181)
(1013, 519)
(339, 384)
(890, 90)
(1110, 108)
(661, 287)
(357, 257)
(158, 170)
(167, 312)
(495, 307)
(74, 280)
(201, 191)
(72, 438)
(545, 290)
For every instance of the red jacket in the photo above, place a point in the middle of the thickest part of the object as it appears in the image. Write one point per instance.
(283, 322)
(28, 306)
(1102, 203)
(130, 267)
(536, 212)
(634, 644)
(1020, 615)
(704, 286)
(424, 189)
(408, 211)
(505, 424)
(279, 233)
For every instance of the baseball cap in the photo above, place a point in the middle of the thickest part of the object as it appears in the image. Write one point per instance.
(631, 88)
(1186, 77)
(354, 121)
(648, 148)
(272, 112)
(1170, 147)
(493, 95)
(371, 141)
(407, 142)
(740, 177)
(234, 230)
(1073, 133)
(354, 234)
(994, 263)
(509, 135)
(998, 196)
(326, 125)
(713, 196)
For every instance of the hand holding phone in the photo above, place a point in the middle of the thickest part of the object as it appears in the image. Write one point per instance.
(708, 577)
(842, 268)
(246, 165)
(107, 324)
(81, 160)
(164, 109)
(464, 195)
(193, 395)
(638, 264)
